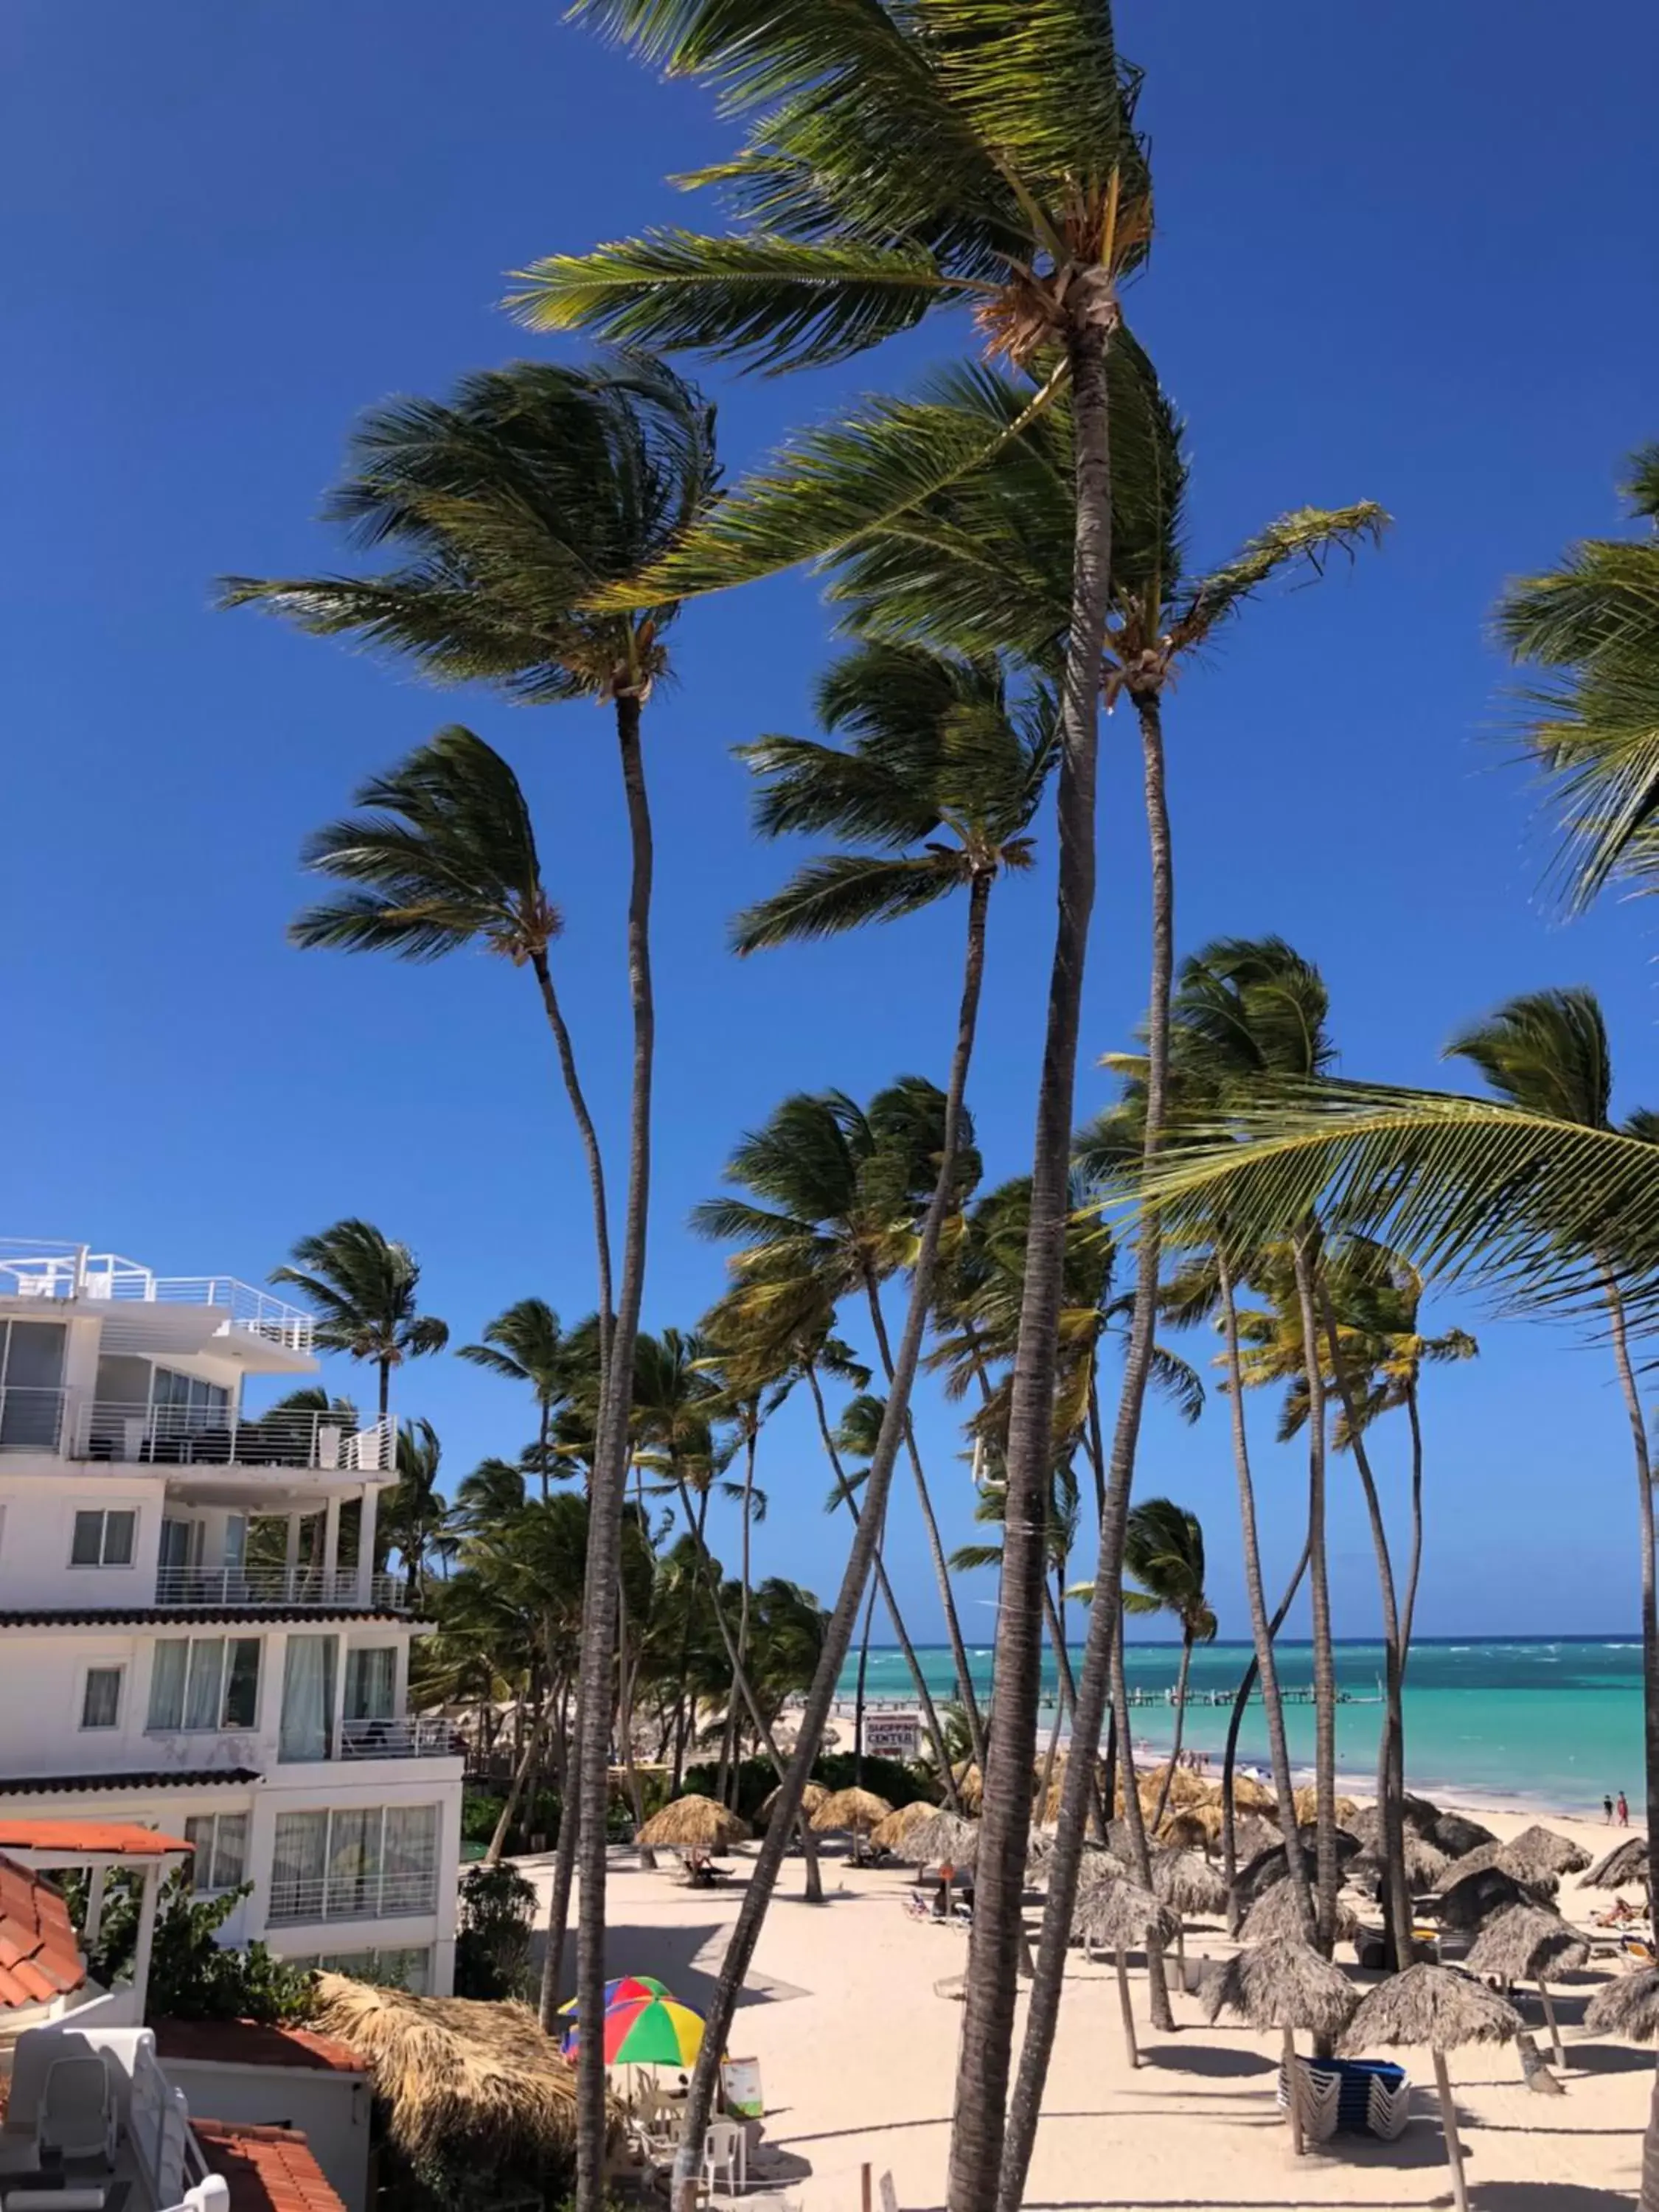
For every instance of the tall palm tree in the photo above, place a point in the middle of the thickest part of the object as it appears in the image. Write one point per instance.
(1591, 628)
(511, 506)
(526, 1344)
(1163, 1550)
(895, 166)
(364, 1288)
(414, 1517)
(842, 1186)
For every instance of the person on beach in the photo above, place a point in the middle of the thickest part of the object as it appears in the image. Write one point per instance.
(1607, 1810)
(1622, 1817)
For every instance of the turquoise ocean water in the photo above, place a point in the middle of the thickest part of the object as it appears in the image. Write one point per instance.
(1552, 1721)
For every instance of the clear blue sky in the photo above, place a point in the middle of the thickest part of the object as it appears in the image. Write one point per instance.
(1404, 253)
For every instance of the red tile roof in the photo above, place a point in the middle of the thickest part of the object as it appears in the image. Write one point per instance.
(269, 2169)
(40, 1955)
(25, 1832)
(244, 2043)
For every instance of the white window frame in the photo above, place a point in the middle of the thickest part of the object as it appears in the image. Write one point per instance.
(204, 1860)
(218, 1725)
(372, 1891)
(104, 1515)
(84, 1684)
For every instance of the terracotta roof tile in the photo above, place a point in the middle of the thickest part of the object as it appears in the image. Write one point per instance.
(245, 2042)
(269, 2169)
(29, 1832)
(40, 1957)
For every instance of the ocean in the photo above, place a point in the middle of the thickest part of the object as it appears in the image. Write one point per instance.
(1551, 1721)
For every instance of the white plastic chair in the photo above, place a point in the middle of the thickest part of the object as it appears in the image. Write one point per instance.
(76, 2118)
(724, 2151)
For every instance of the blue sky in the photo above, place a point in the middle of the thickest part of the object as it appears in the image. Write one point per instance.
(1402, 253)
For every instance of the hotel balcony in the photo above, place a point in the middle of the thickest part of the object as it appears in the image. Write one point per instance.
(64, 1273)
(238, 1589)
(61, 1424)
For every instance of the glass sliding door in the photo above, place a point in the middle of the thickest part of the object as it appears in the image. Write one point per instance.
(308, 1723)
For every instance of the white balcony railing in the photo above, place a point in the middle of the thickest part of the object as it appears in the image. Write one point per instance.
(304, 1900)
(49, 1270)
(31, 1420)
(412, 1737)
(230, 1587)
(199, 1436)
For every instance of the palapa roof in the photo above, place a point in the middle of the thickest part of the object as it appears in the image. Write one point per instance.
(1455, 1833)
(1537, 1852)
(811, 1798)
(1431, 2006)
(1624, 1863)
(1480, 1897)
(1423, 1863)
(943, 1836)
(1270, 1866)
(1188, 1882)
(1250, 1796)
(850, 1808)
(893, 1833)
(1121, 1914)
(1306, 1801)
(1252, 1836)
(1186, 1788)
(692, 1823)
(452, 2070)
(1097, 1868)
(1627, 2005)
(1276, 1913)
(1283, 1983)
(1528, 1944)
(1190, 1826)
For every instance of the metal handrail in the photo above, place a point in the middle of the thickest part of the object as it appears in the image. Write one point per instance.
(292, 1586)
(134, 1433)
(47, 1269)
(414, 1736)
(299, 1900)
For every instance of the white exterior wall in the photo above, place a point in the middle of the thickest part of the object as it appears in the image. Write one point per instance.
(332, 2110)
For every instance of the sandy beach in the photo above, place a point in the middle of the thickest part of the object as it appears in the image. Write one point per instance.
(857, 2055)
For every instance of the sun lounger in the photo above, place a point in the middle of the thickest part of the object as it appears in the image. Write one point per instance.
(76, 2119)
(1351, 2096)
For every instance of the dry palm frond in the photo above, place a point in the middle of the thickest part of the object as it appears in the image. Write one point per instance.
(944, 1836)
(1188, 1882)
(1250, 1796)
(452, 2072)
(692, 1823)
(1285, 1985)
(1528, 1944)
(1431, 2006)
(1624, 1863)
(1627, 2005)
(1276, 1914)
(811, 1798)
(893, 1834)
(1120, 1916)
(857, 1809)
(1538, 1853)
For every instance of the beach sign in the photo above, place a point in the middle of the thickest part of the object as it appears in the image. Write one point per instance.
(740, 2088)
(891, 1736)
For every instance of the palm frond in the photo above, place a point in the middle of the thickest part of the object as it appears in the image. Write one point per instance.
(1307, 537)
(843, 891)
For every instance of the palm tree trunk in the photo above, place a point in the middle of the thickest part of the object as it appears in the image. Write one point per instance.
(590, 1144)
(1649, 1608)
(1173, 1759)
(935, 1544)
(902, 1635)
(857, 1697)
(514, 1796)
(744, 1690)
(607, 1489)
(1327, 1873)
(1135, 1819)
(1263, 1632)
(843, 1620)
(1408, 1603)
(1284, 1790)
(1391, 1749)
(688, 1629)
(1013, 2155)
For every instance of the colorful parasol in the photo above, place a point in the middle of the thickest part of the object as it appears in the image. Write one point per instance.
(626, 1989)
(656, 2033)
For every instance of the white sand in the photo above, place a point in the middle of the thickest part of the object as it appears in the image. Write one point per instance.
(858, 2059)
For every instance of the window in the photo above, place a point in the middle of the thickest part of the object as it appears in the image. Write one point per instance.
(371, 1683)
(205, 1682)
(408, 1969)
(31, 1384)
(100, 1697)
(221, 1859)
(180, 1405)
(103, 1540)
(357, 1863)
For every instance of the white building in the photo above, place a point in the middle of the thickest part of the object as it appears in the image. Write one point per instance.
(191, 1634)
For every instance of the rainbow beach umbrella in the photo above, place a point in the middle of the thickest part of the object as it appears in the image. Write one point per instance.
(656, 2033)
(626, 1989)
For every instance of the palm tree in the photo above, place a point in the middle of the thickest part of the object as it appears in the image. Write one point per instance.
(1163, 1550)
(842, 1185)
(512, 505)
(364, 1286)
(527, 1344)
(896, 166)
(414, 1517)
(1591, 626)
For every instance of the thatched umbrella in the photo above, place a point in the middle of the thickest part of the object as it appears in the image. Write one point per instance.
(1098, 1867)
(1625, 1863)
(893, 1833)
(943, 1836)
(1250, 1796)
(1424, 1864)
(858, 1811)
(1455, 1834)
(1190, 1827)
(1528, 1944)
(1467, 1862)
(692, 1824)
(1275, 1915)
(455, 2073)
(1117, 1915)
(811, 1798)
(1474, 1899)
(1287, 1985)
(1537, 1854)
(1252, 1836)
(1187, 1882)
(1186, 1788)
(1627, 2005)
(1273, 1865)
(1436, 2006)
